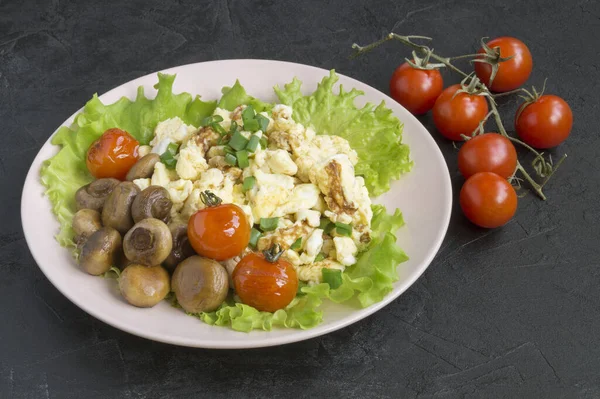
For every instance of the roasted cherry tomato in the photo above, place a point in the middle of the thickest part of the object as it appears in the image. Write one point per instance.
(264, 281)
(112, 155)
(219, 231)
(416, 89)
(489, 152)
(488, 200)
(460, 114)
(544, 123)
(511, 73)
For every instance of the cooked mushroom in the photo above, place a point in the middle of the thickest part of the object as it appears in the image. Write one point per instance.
(149, 242)
(181, 246)
(85, 223)
(144, 286)
(117, 208)
(143, 168)
(200, 284)
(93, 195)
(100, 251)
(154, 202)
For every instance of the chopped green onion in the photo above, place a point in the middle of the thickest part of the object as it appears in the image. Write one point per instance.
(234, 127)
(242, 157)
(248, 114)
(333, 277)
(263, 142)
(320, 257)
(217, 118)
(297, 244)
(218, 128)
(263, 122)
(251, 125)
(254, 236)
(168, 157)
(343, 229)
(268, 224)
(248, 183)
(301, 284)
(231, 159)
(253, 143)
(238, 142)
(209, 120)
(228, 150)
(324, 223)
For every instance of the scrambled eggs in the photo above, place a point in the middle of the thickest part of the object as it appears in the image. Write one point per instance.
(301, 178)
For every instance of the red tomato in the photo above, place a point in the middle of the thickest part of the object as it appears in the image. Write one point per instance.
(265, 285)
(545, 123)
(112, 155)
(416, 89)
(512, 73)
(488, 200)
(458, 115)
(489, 152)
(219, 231)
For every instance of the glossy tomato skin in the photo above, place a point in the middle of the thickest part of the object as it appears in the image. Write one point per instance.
(488, 200)
(489, 152)
(512, 73)
(545, 123)
(264, 285)
(458, 115)
(112, 155)
(416, 89)
(219, 232)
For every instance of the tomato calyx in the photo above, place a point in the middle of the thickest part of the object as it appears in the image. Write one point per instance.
(273, 254)
(423, 63)
(530, 97)
(472, 86)
(492, 57)
(210, 199)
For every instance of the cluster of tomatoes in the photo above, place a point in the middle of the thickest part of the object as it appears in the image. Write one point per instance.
(217, 231)
(486, 160)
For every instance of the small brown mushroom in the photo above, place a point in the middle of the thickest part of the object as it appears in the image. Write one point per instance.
(85, 223)
(93, 195)
(200, 284)
(149, 242)
(154, 202)
(143, 168)
(144, 286)
(101, 251)
(117, 208)
(181, 246)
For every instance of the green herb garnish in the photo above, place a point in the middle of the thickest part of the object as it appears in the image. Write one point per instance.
(297, 244)
(238, 142)
(263, 122)
(248, 183)
(343, 229)
(168, 157)
(230, 159)
(242, 158)
(253, 143)
(254, 236)
(268, 224)
(333, 277)
(320, 257)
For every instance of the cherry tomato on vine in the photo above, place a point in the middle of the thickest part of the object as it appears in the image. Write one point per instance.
(544, 123)
(488, 200)
(416, 89)
(112, 155)
(511, 73)
(489, 152)
(264, 281)
(219, 231)
(460, 114)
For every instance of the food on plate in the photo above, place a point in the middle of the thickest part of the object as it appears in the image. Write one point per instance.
(457, 113)
(112, 155)
(100, 251)
(488, 200)
(200, 284)
(488, 152)
(144, 286)
(544, 121)
(503, 64)
(265, 281)
(259, 210)
(416, 89)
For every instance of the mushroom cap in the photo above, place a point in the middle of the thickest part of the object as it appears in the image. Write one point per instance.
(143, 168)
(200, 284)
(144, 286)
(154, 202)
(93, 195)
(117, 208)
(149, 242)
(101, 251)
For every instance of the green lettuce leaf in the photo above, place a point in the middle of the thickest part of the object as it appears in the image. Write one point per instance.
(236, 95)
(66, 172)
(374, 132)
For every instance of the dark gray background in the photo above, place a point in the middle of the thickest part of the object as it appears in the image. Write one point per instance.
(512, 312)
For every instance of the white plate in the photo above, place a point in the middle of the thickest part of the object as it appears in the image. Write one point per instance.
(424, 196)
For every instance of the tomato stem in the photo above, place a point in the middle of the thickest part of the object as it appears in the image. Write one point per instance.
(543, 168)
(273, 254)
(210, 199)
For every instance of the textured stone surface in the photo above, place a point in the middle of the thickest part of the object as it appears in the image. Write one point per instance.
(511, 312)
